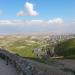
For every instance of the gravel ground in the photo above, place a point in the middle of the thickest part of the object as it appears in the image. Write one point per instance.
(68, 63)
(7, 69)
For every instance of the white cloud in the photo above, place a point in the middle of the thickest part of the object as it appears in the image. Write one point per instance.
(21, 22)
(40, 25)
(21, 13)
(56, 21)
(10, 22)
(36, 22)
(29, 22)
(28, 10)
(5, 22)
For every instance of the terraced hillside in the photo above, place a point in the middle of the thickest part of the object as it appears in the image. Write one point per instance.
(66, 49)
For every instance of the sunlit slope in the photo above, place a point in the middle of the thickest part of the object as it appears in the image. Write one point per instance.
(23, 46)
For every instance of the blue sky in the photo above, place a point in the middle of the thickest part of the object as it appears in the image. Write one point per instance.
(52, 15)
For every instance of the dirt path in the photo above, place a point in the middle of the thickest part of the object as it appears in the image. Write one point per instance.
(7, 69)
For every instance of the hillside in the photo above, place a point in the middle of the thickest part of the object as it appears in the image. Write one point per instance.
(22, 45)
(66, 49)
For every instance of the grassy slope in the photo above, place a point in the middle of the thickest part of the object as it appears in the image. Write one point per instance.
(25, 52)
(22, 46)
(67, 48)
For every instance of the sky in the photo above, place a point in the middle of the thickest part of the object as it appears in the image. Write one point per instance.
(18, 16)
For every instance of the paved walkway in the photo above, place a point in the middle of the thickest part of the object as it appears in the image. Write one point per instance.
(7, 69)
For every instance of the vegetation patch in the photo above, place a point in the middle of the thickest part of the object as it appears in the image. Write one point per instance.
(66, 48)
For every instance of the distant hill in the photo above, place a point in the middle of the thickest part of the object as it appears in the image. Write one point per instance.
(66, 48)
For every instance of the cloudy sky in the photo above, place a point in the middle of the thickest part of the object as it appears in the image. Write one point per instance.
(37, 16)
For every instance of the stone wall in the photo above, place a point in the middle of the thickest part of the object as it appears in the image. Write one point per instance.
(29, 67)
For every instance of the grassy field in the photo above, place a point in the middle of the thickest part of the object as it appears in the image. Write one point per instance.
(22, 46)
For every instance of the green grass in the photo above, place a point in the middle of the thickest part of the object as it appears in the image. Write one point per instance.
(69, 43)
(66, 49)
(26, 51)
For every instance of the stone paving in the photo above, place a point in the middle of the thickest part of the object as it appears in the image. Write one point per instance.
(7, 69)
